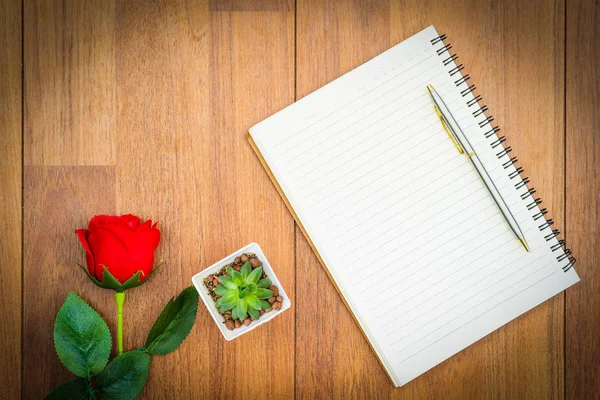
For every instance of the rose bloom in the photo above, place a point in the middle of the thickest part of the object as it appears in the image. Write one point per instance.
(122, 244)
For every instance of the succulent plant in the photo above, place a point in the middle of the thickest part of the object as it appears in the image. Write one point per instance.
(243, 292)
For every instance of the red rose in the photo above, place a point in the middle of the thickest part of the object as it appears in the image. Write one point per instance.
(121, 244)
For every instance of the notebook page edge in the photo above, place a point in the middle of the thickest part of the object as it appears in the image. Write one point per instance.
(263, 158)
(487, 328)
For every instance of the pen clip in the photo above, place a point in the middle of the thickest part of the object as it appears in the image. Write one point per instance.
(447, 129)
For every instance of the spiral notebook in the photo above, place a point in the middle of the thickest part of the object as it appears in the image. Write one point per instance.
(402, 223)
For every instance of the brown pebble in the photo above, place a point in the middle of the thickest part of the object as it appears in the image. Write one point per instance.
(244, 258)
(238, 323)
(237, 260)
(274, 290)
(227, 316)
(229, 324)
(247, 321)
(255, 262)
(280, 299)
(216, 282)
(261, 312)
(272, 300)
(277, 305)
(237, 268)
(210, 278)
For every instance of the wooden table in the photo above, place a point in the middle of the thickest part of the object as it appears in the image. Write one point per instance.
(142, 107)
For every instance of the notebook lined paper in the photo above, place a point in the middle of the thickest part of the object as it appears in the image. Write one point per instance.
(403, 223)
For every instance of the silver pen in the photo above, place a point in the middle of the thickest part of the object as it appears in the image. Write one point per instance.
(462, 144)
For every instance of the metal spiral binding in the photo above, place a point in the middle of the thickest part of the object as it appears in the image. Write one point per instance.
(444, 51)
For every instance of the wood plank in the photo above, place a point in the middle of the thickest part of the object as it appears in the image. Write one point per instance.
(513, 52)
(522, 81)
(58, 200)
(70, 114)
(191, 82)
(333, 358)
(10, 198)
(250, 5)
(583, 204)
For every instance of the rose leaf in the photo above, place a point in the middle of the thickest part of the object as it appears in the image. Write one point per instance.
(81, 337)
(174, 323)
(124, 377)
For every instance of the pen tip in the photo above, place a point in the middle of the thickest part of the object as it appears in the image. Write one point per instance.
(430, 88)
(524, 243)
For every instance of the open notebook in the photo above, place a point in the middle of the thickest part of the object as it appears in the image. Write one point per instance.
(401, 222)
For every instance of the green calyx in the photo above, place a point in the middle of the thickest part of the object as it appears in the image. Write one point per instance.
(243, 292)
(110, 282)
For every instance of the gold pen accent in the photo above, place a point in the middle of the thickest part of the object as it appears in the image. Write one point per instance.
(524, 243)
(430, 88)
(447, 129)
(461, 142)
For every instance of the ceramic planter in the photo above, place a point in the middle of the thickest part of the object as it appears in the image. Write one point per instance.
(198, 281)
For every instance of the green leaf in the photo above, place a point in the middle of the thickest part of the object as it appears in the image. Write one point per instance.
(253, 313)
(229, 305)
(92, 278)
(77, 389)
(264, 294)
(222, 290)
(226, 307)
(265, 305)
(174, 323)
(238, 279)
(234, 315)
(254, 275)
(242, 307)
(81, 337)
(253, 302)
(252, 287)
(229, 271)
(229, 298)
(228, 282)
(110, 282)
(125, 376)
(246, 269)
(264, 283)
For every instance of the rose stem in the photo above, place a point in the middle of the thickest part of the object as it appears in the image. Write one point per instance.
(120, 299)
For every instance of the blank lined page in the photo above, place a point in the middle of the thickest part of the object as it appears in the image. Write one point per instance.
(402, 221)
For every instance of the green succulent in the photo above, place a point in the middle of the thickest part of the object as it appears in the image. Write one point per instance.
(243, 292)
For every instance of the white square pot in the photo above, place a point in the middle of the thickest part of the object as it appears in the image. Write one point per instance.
(198, 281)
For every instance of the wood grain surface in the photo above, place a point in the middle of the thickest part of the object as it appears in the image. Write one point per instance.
(11, 125)
(582, 306)
(142, 107)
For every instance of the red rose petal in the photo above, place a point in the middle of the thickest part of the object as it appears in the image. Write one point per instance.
(121, 243)
(131, 220)
(110, 251)
(142, 248)
(89, 257)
